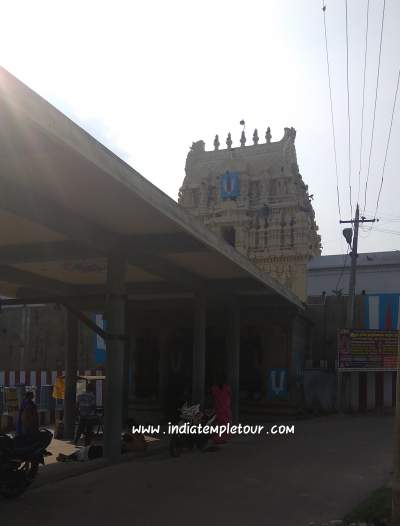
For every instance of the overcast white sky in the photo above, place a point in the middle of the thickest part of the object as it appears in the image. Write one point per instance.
(147, 78)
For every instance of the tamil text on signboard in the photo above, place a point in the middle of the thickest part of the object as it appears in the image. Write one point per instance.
(367, 349)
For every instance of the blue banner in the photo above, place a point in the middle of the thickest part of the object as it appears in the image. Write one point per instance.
(99, 344)
(381, 311)
(277, 384)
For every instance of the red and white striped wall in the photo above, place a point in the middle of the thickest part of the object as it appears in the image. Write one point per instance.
(365, 391)
(37, 378)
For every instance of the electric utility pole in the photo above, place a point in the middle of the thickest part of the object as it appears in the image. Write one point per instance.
(396, 472)
(348, 234)
(351, 236)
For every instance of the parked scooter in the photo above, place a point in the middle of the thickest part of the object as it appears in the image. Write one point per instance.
(20, 458)
(191, 415)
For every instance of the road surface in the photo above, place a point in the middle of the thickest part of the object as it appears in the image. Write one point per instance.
(317, 474)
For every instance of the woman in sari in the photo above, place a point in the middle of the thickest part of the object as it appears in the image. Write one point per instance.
(221, 394)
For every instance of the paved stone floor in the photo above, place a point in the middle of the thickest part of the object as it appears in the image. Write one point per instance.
(316, 475)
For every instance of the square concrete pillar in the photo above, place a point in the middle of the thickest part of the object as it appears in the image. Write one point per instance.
(71, 367)
(354, 391)
(115, 357)
(233, 354)
(162, 366)
(371, 400)
(339, 391)
(388, 389)
(199, 349)
(132, 363)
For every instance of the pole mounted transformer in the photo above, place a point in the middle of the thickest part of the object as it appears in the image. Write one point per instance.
(348, 235)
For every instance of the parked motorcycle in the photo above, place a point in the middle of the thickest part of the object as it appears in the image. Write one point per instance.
(20, 458)
(191, 415)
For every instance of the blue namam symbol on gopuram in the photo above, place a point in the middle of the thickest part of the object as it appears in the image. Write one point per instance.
(229, 185)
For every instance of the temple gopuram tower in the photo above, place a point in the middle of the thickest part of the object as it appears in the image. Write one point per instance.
(255, 198)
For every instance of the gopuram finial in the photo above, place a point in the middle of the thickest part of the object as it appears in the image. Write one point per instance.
(216, 143)
(243, 136)
(229, 141)
(268, 135)
(290, 134)
(255, 137)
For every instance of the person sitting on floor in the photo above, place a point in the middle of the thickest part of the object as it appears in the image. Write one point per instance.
(130, 442)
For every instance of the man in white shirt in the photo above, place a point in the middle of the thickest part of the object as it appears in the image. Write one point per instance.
(86, 403)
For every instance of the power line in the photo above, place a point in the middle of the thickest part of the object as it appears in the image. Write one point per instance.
(348, 105)
(363, 103)
(331, 106)
(365, 237)
(391, 232)
(386, 217)
(376, 99)
(387, 231)
(388, 142)
(386, 152)
(379, 229)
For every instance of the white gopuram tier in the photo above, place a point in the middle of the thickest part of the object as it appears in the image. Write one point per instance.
(255, 198)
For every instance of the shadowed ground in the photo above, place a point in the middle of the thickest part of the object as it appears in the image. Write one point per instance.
(318, 474)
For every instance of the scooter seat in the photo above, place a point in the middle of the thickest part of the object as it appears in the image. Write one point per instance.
(24, 446)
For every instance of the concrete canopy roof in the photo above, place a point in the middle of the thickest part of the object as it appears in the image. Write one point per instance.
(66, 202)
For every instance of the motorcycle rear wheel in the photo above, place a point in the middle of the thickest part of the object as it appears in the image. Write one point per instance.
(19, 480)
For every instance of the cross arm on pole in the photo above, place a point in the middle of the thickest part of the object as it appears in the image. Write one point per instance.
(362, 220)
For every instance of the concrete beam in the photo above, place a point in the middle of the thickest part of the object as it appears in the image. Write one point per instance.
(62, 250)
(211, 287)
(177, 242)
(44, 252)
(92, 326)
(216, 290)
(165, 269)
(40, 283)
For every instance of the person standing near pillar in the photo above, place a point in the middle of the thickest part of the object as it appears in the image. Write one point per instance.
(87, 414)
(221, 394)
(28, 418)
